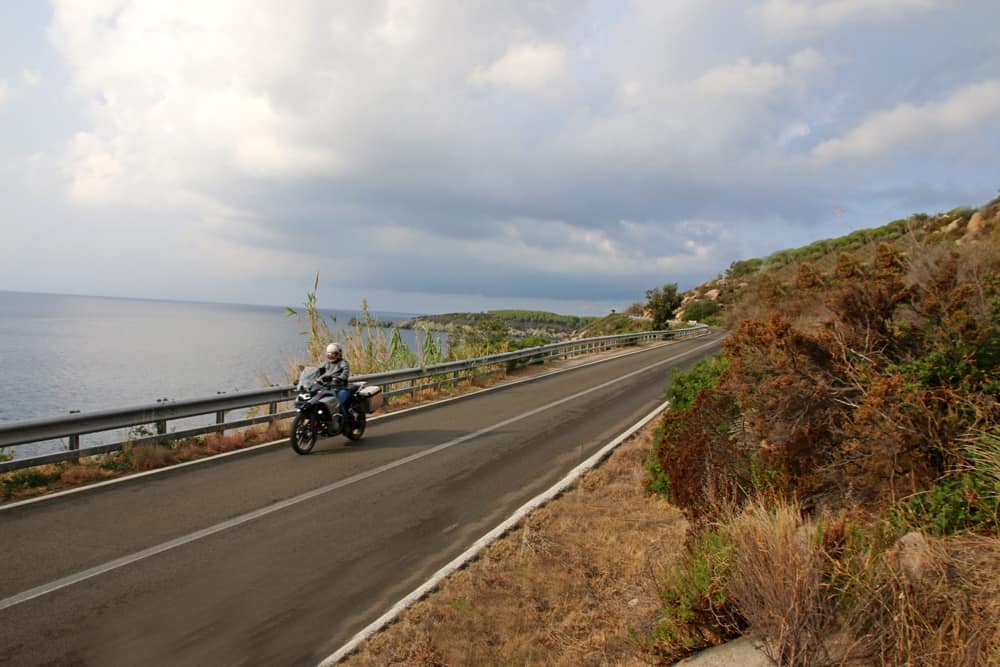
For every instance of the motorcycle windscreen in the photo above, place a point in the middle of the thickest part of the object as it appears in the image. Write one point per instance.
(306, 377)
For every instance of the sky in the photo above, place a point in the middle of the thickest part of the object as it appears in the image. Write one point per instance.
(442, 155)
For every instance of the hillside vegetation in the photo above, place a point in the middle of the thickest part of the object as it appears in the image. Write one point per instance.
(614, 324)
(840, 461)
(518, 322)
(958, 227)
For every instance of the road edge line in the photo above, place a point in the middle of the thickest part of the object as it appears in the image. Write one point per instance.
(275, 444)
(472, 552)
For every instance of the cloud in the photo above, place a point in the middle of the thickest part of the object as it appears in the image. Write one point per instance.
(792, 132)
(745, 78)
(31, 77)
(4, 92)
(522, 150)
(741, 78)
(811, 16)
(94, 169)
(910, 128)
(530, 68)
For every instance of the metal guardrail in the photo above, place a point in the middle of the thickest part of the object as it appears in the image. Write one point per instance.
(394, 383)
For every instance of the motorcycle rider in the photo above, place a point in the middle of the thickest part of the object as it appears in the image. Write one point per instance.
(334, 373)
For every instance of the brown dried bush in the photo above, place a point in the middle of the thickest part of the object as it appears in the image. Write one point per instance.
(870, 404)
(929, 602)
(859, 411)
(778, 582)
(698, 453)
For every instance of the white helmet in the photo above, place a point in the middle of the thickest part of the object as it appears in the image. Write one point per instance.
(332, 348)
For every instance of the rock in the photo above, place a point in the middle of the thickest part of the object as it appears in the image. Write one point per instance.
(712, 295)
(976, 223)
(913, 555)
(744, 652)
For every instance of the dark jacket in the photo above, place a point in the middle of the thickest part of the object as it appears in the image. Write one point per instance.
(335, 373)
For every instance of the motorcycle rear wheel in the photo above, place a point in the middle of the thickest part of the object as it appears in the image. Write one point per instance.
(304, 433)
(357, 427)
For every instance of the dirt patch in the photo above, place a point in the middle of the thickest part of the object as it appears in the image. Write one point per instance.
(568, 586)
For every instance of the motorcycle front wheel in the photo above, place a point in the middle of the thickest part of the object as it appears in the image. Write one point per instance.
(357, 427)
(303, 435)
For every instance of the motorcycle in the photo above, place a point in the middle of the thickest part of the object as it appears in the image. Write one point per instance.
(319, 410)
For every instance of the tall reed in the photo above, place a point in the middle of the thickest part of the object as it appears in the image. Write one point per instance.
(368, 346)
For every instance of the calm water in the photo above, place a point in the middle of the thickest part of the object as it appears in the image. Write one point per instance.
(62, 353)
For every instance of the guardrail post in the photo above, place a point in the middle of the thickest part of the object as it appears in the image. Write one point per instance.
(220, 418)
(138, 420)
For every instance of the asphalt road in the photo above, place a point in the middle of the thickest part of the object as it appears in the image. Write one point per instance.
(269, 558)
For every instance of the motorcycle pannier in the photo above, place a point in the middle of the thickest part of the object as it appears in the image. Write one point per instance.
(370, 398)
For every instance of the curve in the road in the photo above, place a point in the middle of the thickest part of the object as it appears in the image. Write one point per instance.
(109, 566)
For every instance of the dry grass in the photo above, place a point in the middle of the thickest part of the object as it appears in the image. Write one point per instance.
(931, 602)
(564, 588)
(837, 595)
(777, 582)
(40, 480)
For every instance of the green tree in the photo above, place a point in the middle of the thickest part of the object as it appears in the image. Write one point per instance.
(662, 302)
(488, 336)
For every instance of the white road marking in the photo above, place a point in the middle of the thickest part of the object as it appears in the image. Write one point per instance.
(76, 578)
(283, 441)
(484, 542)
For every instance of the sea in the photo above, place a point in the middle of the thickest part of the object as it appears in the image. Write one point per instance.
(62, 353)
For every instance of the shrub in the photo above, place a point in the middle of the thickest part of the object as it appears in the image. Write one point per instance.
(657, 481)
(489, 336)
(29, 478)
(684, 386)
(982, 452)
(701, 310)
(879, 384)
(744, 268)
(967, 501)
(528, 341)
(777, 582)
(886, 599)
(614, 324)
(923, 602)
(635, 309)
(697, 610)
(701, 453)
